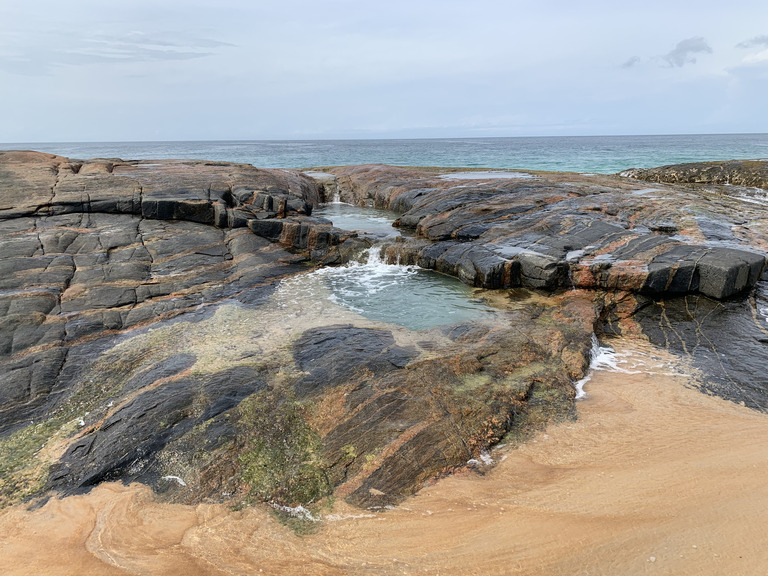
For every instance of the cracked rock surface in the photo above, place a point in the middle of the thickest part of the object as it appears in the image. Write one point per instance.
(151, 329)
(555, 231)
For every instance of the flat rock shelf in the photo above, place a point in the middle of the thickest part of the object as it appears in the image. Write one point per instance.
(153, 328)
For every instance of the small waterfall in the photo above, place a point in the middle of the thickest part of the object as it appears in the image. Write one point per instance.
(407, 295)
(329, 184)
(603, 358)
(572, 258)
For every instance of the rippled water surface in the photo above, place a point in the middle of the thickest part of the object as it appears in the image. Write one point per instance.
(406, 295)
(602, 154)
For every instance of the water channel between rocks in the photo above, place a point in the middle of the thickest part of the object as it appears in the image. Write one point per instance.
(409, 296)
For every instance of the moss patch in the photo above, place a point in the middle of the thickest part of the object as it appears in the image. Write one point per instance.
(27, 455)
(281, 460)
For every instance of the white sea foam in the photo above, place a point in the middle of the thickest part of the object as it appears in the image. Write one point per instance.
(368, 277)
(602, 358)
(339, 517)
(484, 459)
(177, 479)
(607, 359)
(297, 512)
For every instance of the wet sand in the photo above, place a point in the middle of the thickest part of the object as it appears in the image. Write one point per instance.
(653, 477)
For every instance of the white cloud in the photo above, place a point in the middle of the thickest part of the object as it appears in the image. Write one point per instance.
(34, 56)
(757, 58)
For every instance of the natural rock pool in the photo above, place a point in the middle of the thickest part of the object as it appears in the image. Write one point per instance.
(409, 296)
(368, 220)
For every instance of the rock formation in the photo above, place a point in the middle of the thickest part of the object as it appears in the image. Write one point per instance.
(555, 232)
(745, 173)
(148, 330)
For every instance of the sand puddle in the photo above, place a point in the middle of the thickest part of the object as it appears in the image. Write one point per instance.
(653, 478)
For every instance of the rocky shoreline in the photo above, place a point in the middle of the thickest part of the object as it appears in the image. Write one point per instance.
(144, 337)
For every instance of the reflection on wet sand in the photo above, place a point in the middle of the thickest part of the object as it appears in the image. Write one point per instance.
(653, 477)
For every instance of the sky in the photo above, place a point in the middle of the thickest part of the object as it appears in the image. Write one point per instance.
(99, 71)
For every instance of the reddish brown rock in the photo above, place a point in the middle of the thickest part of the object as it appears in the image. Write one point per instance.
(555, 231)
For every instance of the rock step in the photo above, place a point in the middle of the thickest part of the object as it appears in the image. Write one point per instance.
(551, 233)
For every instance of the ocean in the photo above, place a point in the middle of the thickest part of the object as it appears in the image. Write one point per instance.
(590, 154)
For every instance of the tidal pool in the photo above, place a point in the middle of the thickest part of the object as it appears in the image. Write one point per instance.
(409, 296)
(368, 220)
(406, 295)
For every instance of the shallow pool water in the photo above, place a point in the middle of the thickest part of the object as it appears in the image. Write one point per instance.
(350, 217)
(406, 295)
(410, 296)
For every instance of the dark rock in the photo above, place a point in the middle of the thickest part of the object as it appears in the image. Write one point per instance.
(726, 340)
(26, 385)
(728, 272)
(586, 232)
(753, 173)
(333, 354)
(125, 446)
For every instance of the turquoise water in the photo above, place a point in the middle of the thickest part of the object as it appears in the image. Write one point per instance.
(600, 154)
(406, 295)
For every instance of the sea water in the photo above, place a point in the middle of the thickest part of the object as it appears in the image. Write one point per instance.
(410, 296)
(369, 220)
(406, 295)
(597, 154)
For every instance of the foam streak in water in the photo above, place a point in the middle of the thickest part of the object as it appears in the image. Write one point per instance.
(406, 295)
(607, 359)
(600, 358)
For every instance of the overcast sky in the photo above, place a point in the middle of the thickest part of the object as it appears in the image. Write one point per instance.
(93, 70)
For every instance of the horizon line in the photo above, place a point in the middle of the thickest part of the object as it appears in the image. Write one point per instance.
(348, 139)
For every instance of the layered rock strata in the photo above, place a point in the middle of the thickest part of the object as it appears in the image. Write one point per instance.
(553, 232)
(148, 331)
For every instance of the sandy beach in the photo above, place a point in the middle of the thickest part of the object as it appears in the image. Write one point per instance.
(653, 477)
